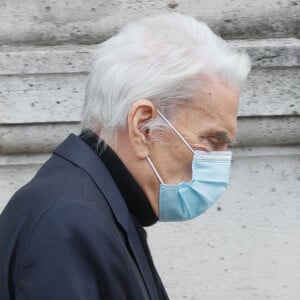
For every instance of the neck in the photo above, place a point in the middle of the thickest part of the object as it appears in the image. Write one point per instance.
(139, 168)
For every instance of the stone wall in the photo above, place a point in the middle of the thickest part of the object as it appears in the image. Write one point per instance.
(247, 245)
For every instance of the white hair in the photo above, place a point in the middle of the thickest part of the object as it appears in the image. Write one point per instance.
(158, 59)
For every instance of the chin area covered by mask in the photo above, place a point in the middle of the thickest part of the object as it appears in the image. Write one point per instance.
(187, 200)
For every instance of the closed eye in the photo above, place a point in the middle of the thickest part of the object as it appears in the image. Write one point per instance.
(213, 140)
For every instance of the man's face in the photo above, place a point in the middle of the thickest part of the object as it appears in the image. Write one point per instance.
(209, 123)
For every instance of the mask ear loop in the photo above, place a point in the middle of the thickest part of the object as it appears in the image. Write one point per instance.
(176, 131)
(154, 170)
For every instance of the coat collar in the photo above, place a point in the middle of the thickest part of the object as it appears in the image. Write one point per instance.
(79, 153)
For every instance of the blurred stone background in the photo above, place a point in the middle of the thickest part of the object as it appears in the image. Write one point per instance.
(248, 245)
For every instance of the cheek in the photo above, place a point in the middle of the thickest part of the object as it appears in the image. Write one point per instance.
(173, 160)
(187, 174)
(180, 168)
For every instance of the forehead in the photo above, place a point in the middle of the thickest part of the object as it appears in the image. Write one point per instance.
(215, 94)
(214, 108)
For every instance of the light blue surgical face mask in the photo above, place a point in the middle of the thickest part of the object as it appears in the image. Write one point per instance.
(187, 200)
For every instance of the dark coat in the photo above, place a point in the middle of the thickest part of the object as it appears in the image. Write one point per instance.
(68, 234)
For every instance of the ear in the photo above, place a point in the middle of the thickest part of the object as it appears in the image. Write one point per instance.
(142, 111)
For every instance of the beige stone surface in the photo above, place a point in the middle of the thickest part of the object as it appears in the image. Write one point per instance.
(46, 84)
(76, 58)
(59, 97)
(62, 21)
(43, 138)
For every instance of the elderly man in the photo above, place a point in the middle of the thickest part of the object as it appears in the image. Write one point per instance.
(160, 110)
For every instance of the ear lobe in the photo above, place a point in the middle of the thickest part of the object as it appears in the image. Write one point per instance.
(139, 115)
